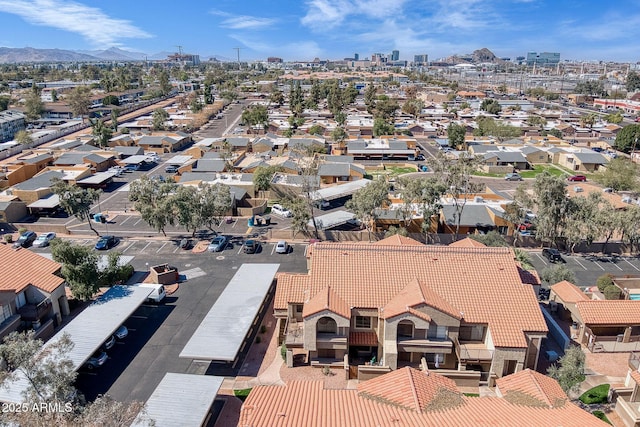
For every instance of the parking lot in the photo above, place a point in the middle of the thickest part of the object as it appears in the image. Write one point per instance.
(588, 268)
(157, 333)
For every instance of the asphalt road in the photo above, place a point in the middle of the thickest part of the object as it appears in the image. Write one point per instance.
(587, 269)
(157, 334)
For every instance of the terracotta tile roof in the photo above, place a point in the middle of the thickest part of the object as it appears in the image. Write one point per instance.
(21, 268)
(414, 294)
(363, 338)
(601, 312)
(326, 299)
(568, 292)
(482, 284)
(397, 240)
(407, 387)
(535, 384)
(529, 277)
(467, 242)
(307, 403)
(635, 374)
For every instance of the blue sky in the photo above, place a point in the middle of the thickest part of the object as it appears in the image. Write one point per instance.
(329, 29)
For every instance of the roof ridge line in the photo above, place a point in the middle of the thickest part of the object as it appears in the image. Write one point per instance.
(413, 390)
(539, 388)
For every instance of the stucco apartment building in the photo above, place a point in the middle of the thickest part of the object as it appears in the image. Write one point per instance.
(398, 303)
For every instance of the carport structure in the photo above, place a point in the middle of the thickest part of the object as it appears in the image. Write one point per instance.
(339, 191)
(222, 334)
(88, 330)
(181, 400)
(332, 219)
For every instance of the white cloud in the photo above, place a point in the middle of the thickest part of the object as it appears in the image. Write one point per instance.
(242, 22)
(90, 22)
(327, 14)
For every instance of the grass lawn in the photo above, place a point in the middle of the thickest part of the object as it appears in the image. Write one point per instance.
(539, 169)
(390, 171)
(490, 175)
(597, 394)
(242, 394)
(602, 416)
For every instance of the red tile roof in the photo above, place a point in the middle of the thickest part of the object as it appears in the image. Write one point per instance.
(363, 338)
(467, 242)
(397, 240)
(616, 312)
(326, 299)
(535, 384)
(21, 268)
(308, 404)
(414, 294)
(568, 292)
(530, 277)
(483, 285)
(407, 387)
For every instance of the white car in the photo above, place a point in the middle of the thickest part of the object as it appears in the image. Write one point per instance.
(43, 240)
(281, 211)
(282, 247)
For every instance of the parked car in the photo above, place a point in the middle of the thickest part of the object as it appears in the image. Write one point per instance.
(116, 170)
(251, 246)
(121, 333)
(512, 177)
(171, 169)
(280, 210)
(96, 360)
(579, 178)
(131, 167)
(43, 240)
(323, 204)
(553, 255)
(185, 244)
(105, 242)
(420, 157)
(218, 244)
(25, 240)
(282, 247)
(108, 344)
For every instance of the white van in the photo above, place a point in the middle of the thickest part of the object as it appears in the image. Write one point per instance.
(157, 294)
(280, 210)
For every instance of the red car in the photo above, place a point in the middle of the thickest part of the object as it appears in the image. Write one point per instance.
(577, 178)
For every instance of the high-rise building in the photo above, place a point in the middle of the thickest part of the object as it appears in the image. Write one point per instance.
(395, 55)
(356, 56)
(420, 60)
(543, 58)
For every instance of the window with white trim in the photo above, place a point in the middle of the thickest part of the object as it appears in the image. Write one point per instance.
(363, 322)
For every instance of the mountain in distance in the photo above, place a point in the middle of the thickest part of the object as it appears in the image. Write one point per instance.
(115, 54)
(478, 56)
(29, 54)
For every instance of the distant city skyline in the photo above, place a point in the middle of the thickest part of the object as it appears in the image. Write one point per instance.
(330, 29)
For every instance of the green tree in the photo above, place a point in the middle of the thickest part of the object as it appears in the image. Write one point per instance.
(263, 175)
(163, 81)
(101, 132)
(301, 216)
(550, 197)
(612, 292)
(350, 93)
(633, 81)
(4, 102)
(114, 119)
(492, 239)
(76, 201)
(370, 95)
(79, 267)
(421, 198)
(368, 201)
(627, 138)
(614, 118)
(256, 115)
(455, 135)
(524, 259)
(630, 219)
(580, 222)
(603, 281)
(557, 273)
(413, 107)
(588, 120)
(316, 130)
(111, 100)
(591, 87)
(214, 203)
(385, 108)
(536, 121)
(23, 137)
(570, 373)
(276, 97)
(381, 127)
(296, 99)
(491, 106)
(184, 203)
(158, 118)
(152, 199)
(79, 100)
(33, 105)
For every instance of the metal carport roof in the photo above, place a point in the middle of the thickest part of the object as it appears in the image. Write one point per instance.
(338, 191)
(181, 400)
(88, 330)
(224, 328)
(333, 219)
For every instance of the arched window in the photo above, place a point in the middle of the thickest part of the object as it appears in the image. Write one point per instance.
(326, 325)
(405, 329)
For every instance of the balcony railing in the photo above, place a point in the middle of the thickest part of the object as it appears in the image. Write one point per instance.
(634, 361)
(34, 312)
(294, 332)
(472, 351)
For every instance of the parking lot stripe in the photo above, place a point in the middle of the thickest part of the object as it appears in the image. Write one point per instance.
(126, 219)
(539, 256)
(273, 249)
(147, 245)
(136, 223)
(616, 265)
(133, 242)
(579, 263)
(596, 263)
(176, 249)
(240, 250)
(627, 261)
(234, 223)
(163, 245)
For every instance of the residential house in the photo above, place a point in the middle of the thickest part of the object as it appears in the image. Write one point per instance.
(504, 161)
(124, 151)
(39, 186)
(12, 209)
(380, 148)
(397, 302)
(26, 167)
(412, 398)
(535, 155)
(164, 143)
(97, 162)
(32, 293)
(332, 173)
(582, 161)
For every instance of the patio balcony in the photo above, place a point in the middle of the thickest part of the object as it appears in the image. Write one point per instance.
(294, 334)
(472, 351)
(429, 345)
